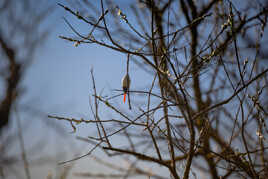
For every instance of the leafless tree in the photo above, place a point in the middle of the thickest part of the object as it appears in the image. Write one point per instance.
(22, 32)
(205, 111)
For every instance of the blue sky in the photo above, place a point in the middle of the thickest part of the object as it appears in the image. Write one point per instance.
(58, 83)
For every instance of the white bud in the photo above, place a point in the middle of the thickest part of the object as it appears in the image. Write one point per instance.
(76, 43)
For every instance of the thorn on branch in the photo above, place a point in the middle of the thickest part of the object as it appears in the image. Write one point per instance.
(65, 7)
